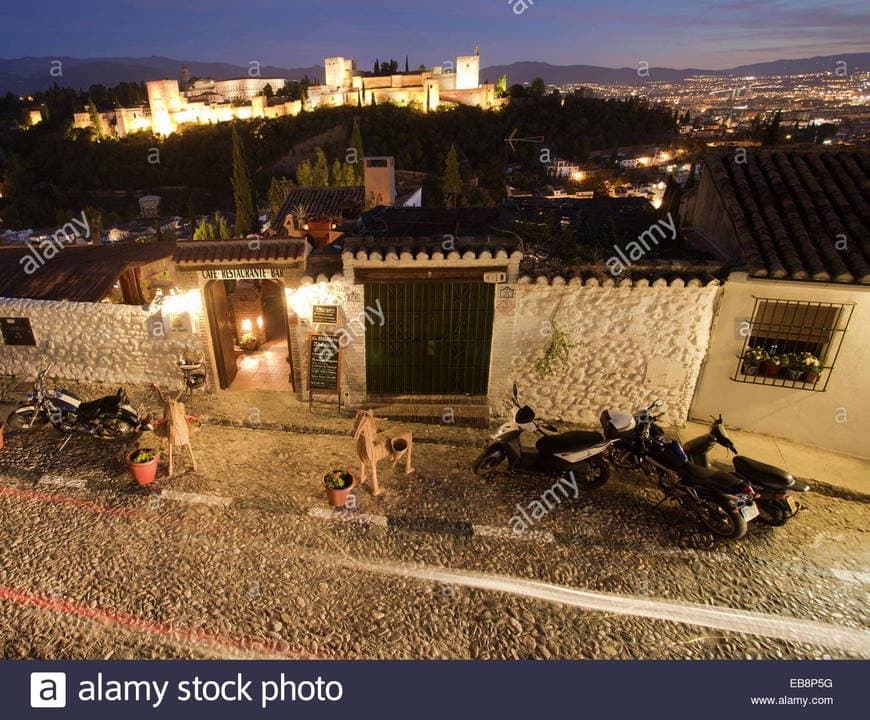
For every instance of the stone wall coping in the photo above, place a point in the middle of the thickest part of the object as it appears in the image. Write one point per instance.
(594, 282)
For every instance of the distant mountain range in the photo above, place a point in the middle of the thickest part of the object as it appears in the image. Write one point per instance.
(31, 74)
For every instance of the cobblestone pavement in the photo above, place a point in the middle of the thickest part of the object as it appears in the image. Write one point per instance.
(244, 559)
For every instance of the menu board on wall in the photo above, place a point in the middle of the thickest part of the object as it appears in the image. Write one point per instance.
(326, 314)
(324, 367)
(17, 331)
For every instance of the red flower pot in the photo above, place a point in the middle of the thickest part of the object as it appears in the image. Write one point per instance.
(337, 497)
(810, 377)
(770, 368)
(2, 428)
(143, 473)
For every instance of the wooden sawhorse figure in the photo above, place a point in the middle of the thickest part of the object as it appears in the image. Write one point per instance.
(372, 446)
(177, 430)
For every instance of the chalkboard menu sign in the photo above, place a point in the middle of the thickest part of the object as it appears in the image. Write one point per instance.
(17, 331)
(324, 367)
(326, 314)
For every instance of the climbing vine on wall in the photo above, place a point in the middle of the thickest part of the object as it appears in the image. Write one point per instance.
(556, 353)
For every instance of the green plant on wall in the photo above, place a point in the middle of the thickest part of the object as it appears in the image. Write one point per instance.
(557, 352)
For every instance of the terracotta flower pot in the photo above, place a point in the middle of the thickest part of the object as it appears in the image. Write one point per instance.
(810, 377)
(770, 368)
(337, 497)
(143, 473)
(750, 368)
(2, 428)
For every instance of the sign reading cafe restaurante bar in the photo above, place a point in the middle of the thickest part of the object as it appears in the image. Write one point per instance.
(244, 274)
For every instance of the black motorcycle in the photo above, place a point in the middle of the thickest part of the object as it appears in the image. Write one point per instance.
(108, 418)
(580, 455)
(775, 487)
(723, 502)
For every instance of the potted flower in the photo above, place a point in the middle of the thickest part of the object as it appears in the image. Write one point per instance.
(752, 358)
(811, 367)
(249, 342)
(792, 363)
(771, 366)
(338, 484)
(142, 463)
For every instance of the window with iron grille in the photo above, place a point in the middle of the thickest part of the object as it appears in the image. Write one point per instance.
(790, 343)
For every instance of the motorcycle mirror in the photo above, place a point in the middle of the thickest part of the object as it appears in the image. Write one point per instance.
(657, 403)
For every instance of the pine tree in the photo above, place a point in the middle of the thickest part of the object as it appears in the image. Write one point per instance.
(357, 144)
(96, 120)
(406, 64)
(221, 228)
(243, 189)
(452, 181)
(304, 174)
(336, 175)
(321, 170)
(377, 69)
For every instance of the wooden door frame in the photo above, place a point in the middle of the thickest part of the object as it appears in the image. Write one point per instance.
(215, 332)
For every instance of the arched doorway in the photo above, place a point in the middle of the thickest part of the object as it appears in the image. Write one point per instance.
(250, 334)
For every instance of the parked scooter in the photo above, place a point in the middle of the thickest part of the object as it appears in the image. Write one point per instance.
(722, 501)
(775, 487)
(580, 455)
(109, 418)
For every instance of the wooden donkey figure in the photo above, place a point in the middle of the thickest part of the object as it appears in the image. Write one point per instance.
(177, 431)
(372, 446)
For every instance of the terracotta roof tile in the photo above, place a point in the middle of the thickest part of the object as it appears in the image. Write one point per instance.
(799, 214)
(257, 250)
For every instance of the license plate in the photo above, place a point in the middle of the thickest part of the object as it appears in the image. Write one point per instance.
(792, 505)
(749, 512)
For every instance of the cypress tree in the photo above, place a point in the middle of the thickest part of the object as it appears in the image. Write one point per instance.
(357, 144)
(243, 189)
(452, 181)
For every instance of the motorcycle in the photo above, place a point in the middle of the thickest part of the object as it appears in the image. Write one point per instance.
(723, 502)
(108, 418)
(775, 487)
(580, 455)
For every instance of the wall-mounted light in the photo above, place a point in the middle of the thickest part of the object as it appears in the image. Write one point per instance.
(246, 325)
(260, 322)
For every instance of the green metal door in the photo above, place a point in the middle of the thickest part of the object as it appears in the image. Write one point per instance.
(436, 338)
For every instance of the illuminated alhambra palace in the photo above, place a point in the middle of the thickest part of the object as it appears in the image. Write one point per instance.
(209, 101)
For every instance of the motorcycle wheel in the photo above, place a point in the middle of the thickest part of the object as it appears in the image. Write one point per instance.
(596, 477)
(489, 461)
(115, 429)
(773, 512)
(622, 456)
(25, 421)
(719, 519)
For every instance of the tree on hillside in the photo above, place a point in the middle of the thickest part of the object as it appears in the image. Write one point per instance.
(538, 87)
(320, 176)
(406, 64)
(267, 91)
(243, 189)
(357, 144)
(452, 180)
(214, 229)
(304, 174)
(279, 188)
(96, 120)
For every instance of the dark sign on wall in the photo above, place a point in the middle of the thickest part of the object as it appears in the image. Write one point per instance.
(17, 331)
(324, 367)
(326, 314)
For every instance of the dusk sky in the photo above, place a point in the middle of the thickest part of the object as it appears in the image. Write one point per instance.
(289, 33)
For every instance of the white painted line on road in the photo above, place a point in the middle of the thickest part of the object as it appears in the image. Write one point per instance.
(60, 481)
(347, 516)
(196, 498)
(506, 534)
(779, 627)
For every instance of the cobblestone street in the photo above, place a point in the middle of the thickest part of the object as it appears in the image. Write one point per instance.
(244, 558)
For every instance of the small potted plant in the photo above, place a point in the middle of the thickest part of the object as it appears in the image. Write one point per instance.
(338, 484)
(752, 358)
(249, 342)
(142, 463)
(792, 364)
(811, 367)
(771, 366)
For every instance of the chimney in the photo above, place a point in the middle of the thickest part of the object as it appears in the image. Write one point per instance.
(380, 180)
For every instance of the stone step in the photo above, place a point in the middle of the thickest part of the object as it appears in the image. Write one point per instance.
(435, 413)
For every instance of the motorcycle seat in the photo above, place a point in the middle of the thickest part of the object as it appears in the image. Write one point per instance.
(718, 479)
(95, 408)
(763, 474)
(568, 442)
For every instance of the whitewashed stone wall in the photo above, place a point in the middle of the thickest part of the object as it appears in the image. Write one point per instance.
(632, 344)
(96, 342)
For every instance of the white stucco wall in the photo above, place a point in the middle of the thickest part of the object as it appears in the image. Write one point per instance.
(836, 419)
(632, 344)
(96, 342)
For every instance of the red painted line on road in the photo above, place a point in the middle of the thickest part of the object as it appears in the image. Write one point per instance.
(271, 648)
(105, 508)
